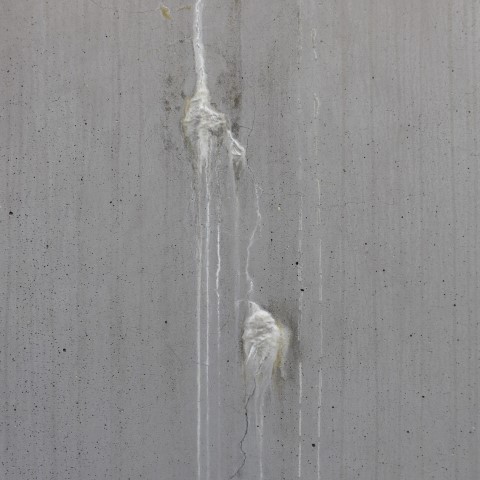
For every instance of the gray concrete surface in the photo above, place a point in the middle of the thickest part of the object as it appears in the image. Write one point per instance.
(360, 123)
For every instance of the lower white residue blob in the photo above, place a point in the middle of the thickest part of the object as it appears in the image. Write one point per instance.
(265, 344)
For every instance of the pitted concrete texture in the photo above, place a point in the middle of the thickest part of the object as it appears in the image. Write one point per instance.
(132, 239)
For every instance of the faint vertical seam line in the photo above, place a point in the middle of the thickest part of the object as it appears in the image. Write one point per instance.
(300, 238)
(476, 192)
(454, 228)
(373, 219)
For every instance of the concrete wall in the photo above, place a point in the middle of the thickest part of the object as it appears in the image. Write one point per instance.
(125, 271)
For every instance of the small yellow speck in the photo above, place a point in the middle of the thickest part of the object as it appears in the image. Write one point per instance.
(165, 12)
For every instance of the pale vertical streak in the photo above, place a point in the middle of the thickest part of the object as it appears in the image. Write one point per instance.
(300, 390)
(320, 376)
(300, 395)
(203, 154)
(237, 264)
(200, 123)
(319, 421)
(217, 288)
(201, 82)
(474, 60)
(314, 43)
(199, 255)
(300, 318)
(454, 354)
(251, 241)
(300, 237)
(207, 327)
(320, 293)
(198, 48)
(316, 111)
(320, 287)
(260, 442)
(316, 105)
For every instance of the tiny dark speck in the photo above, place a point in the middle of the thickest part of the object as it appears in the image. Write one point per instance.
(64, 349)
(166, 321)
(10, 213)
(313, 445)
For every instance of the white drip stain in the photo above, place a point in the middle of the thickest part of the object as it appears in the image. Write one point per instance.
(217, 283)
(300, 316)
(320, 287)
(260, 437)
(204, 127)
(316, 105)
(207, 328)
(199, 258)
(300, 395)
(320, 295)
(217, 289)
(265, 340)
(258, 225)
(319, 420)
(319, 192)
(268, 338)
(314, 43)
(300, 253)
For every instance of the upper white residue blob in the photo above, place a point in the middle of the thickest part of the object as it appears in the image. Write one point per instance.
(201, 120)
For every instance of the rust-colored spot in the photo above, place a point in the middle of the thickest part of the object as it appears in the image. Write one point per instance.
(165, 12)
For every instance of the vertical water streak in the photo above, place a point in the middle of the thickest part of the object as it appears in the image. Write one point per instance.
(205, 129)
(300, 395)
(320, 295)
(300, 318)
(259, 422)
(319, 421)
(251, 241)
(199, 260)
(217, 290)
(300, 180)
(207, 323)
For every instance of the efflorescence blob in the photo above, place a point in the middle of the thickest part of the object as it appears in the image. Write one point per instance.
(265, 345)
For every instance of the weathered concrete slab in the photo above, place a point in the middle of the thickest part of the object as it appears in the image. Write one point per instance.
(125, 270)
